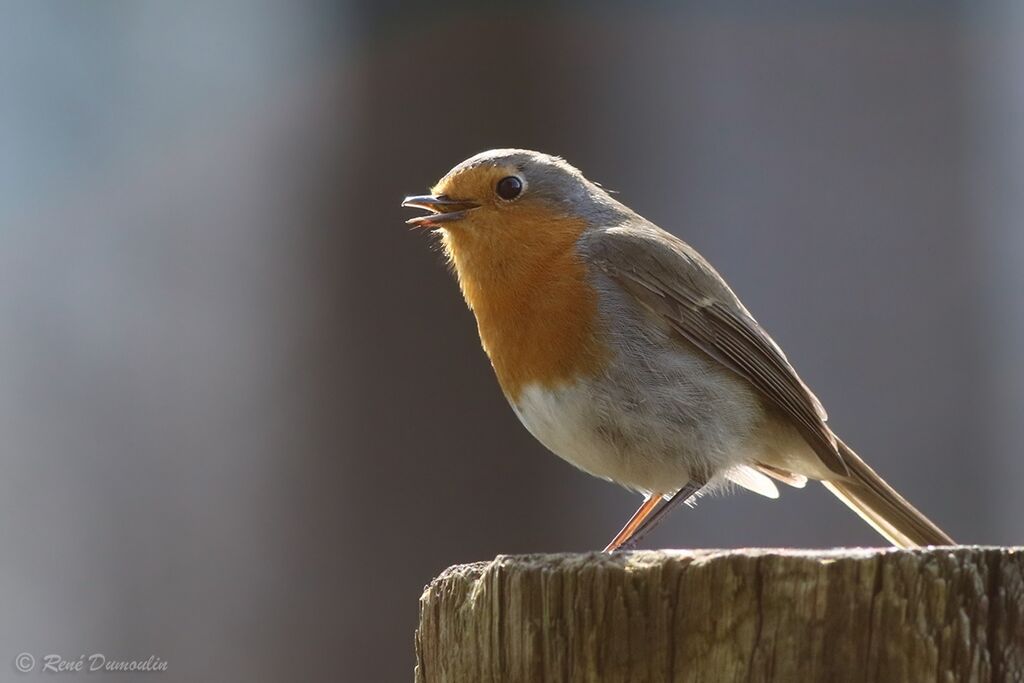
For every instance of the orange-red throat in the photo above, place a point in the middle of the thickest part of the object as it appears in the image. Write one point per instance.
(535, 309)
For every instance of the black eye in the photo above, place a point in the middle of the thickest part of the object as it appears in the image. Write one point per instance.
(509, 187)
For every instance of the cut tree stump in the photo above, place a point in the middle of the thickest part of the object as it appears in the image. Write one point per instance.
(941, 614)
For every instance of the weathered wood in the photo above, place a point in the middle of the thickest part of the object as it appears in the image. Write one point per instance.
(947, 614)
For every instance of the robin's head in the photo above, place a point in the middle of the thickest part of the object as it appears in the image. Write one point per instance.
(509, 193)
(510, 221)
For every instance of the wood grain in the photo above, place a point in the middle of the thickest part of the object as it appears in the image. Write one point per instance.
(941, 614)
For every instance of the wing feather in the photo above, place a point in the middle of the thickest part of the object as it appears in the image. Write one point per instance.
(669, 278)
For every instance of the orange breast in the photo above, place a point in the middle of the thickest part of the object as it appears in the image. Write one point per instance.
(535, 310)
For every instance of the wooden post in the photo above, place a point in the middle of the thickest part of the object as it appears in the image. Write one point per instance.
(943, 614)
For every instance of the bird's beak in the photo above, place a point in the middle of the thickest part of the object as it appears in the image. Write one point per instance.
(442, 209)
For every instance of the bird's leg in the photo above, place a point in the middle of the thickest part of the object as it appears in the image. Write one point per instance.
(684, 494)
(636, 520)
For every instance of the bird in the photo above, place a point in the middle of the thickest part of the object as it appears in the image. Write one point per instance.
(624, 352)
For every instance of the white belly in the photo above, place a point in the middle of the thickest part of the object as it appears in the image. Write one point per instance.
(561, 419)
(576, 427)
(644, 445)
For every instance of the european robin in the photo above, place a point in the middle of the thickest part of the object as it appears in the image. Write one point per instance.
(624, 352)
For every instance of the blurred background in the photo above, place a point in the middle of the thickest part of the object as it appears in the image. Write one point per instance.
(244, 415)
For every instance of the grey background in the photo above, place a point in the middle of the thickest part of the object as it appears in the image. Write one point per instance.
(244, 416)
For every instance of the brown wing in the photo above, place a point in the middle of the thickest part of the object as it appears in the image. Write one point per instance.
(672, 280)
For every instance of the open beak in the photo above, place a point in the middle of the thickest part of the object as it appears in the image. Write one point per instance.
(442, 209)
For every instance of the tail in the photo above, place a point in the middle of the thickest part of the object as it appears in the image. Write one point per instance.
(879, 505)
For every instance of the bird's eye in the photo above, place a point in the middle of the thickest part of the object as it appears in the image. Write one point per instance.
(509, 187)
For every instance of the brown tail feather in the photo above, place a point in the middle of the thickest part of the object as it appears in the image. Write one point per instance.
(879, 505)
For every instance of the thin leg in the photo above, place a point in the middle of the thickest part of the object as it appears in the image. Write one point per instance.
(638, 517)
(681, 496)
